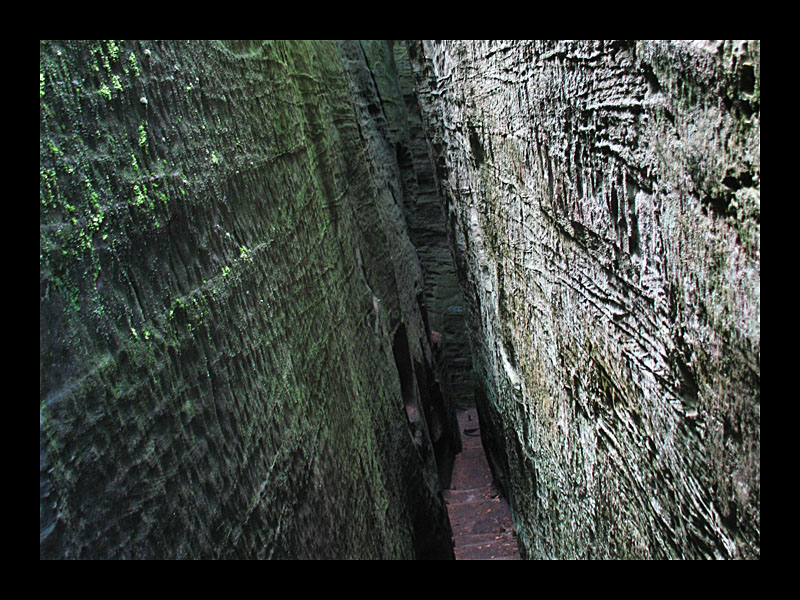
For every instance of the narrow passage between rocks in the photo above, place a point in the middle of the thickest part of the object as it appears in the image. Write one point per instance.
(479, 516)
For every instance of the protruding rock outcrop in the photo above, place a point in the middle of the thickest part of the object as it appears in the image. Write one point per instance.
(603, 203)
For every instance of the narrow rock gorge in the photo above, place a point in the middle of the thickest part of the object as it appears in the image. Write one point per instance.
(271, 272)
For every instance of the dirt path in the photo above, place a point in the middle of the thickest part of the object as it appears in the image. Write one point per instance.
(479, 515)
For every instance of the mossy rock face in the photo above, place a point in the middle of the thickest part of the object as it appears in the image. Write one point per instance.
(217, 307)
(604, 205)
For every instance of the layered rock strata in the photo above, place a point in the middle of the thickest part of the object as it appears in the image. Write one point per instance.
(233, 358)
(390, 128)
(603, 204)
(428, 230)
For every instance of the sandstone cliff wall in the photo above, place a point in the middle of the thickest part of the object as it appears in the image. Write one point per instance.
(391, 129)
(233, 359)
(603, 203)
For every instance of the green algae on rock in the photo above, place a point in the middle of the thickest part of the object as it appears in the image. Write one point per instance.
(212, 246)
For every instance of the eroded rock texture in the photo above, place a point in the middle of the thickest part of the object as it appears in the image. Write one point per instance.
(603, 203)
(233, 359)
(391, 129)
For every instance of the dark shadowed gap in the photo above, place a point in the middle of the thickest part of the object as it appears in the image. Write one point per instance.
(432, 538)
(422, 400)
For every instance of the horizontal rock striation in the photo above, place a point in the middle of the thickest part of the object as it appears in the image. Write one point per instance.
(428, 230)
(233, 359)
(391, 129)
(603, 204)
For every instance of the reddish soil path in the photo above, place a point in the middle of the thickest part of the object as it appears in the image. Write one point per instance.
(479, 515)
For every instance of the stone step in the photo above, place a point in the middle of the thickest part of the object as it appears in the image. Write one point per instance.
(469, 495)
(499, 539)
(471, 445)
(486, 546)
(491, 550)
(470, 469)
(479, 516)
(485, 508)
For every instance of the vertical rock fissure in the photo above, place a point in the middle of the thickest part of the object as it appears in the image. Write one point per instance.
(479, 514)
(445, 387)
